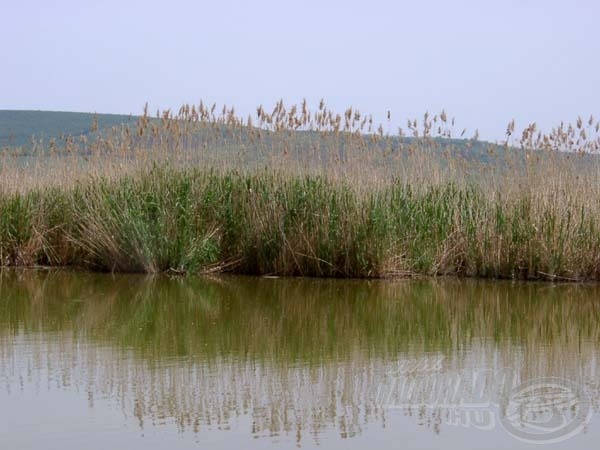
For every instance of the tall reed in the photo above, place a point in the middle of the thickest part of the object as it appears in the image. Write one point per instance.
(295, 192)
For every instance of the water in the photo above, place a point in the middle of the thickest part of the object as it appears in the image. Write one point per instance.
(101, 361)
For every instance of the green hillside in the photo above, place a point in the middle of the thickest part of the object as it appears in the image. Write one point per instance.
(17, 128)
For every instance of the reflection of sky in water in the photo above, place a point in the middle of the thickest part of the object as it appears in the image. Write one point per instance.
(221, 361)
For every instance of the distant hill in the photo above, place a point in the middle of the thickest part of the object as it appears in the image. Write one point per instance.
(18, 127)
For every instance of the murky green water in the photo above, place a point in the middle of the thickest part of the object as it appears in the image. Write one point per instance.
(101, 361)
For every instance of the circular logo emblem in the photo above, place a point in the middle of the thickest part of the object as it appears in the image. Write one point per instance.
(547, 410)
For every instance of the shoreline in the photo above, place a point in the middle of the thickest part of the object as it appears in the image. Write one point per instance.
(408, 277)
(201, 222)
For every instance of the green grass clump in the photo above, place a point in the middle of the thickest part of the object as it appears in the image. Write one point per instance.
(193, 221)
(32, 228)
(151, 224)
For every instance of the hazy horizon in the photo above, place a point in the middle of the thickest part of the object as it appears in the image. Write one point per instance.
(484, 63)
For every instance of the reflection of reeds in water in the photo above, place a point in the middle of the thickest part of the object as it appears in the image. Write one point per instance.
(296, 356)
(296, 400)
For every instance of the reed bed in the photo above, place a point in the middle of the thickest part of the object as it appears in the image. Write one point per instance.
(294, 192)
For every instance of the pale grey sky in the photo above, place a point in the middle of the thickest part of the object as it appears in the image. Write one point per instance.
(486, 62)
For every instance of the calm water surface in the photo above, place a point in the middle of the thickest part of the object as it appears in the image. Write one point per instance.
(101, 361)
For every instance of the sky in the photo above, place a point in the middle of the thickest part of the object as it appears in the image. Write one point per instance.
(484, 62)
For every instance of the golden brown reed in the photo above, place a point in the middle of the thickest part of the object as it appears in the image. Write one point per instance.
(416, 200)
